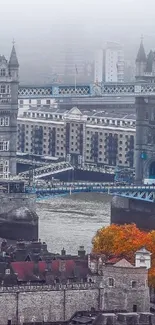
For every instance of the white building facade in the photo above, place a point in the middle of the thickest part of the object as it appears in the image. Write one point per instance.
(114, 62)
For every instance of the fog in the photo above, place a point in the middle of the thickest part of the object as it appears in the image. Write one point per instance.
(45, 30)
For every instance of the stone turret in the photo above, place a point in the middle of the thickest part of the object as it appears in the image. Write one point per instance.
(141, 61)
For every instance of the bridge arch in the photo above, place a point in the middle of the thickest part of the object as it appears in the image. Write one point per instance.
(149, 168)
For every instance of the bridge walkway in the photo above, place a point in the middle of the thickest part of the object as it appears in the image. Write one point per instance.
(48, 170)
(146, 193)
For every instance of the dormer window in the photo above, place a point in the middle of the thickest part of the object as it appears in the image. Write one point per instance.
(2, 72)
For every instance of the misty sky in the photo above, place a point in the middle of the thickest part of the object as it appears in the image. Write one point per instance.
(42, 29)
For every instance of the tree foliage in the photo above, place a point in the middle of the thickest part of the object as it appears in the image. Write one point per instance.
(124, 241)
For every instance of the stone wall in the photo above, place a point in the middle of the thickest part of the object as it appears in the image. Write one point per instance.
(60, 302)
(125, 210)
(16, 200)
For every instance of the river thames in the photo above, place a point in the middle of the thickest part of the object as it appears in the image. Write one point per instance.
(71, 221)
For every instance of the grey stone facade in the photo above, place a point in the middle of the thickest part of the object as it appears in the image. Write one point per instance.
(145, 139)
(59, 302)
(8, 114)
(12, 201)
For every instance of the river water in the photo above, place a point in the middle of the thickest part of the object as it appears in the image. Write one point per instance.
(71, 221)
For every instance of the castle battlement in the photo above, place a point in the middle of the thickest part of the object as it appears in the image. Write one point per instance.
(55, 287)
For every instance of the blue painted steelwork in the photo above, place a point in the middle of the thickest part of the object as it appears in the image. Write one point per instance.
(141, 89)
(146, 193)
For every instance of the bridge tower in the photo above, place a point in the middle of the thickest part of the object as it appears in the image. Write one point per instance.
(8, 113)
(145, 139)
(141, 62)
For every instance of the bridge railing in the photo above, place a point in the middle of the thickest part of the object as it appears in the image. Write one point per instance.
(87, 187)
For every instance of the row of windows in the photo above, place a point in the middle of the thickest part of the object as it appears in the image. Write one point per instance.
(111, 283)
(58, 154)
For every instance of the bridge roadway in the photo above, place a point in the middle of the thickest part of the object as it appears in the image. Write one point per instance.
(135, 89)
(145, 193)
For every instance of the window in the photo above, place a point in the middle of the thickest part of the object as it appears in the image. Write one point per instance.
(6, 121)
(1, 121)
(134, 284)
(1, 145)
(3, 72)
(3, 89)
(111, 282)
(134, 308)
(4, 145)
(7, 271)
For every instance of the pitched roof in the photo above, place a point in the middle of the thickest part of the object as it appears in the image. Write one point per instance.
(141, 56)
(26, 270)
(123, 263)
(75, 111)
(143, 250)
(13, 62)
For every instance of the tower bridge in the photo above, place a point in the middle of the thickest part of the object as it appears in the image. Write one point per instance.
(143, 90)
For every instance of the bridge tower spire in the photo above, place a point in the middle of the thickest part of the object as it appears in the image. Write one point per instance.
(141, 61)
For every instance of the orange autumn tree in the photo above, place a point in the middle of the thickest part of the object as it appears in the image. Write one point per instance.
(124, 241)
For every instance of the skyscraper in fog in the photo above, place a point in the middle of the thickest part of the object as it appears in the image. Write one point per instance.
(98, 66)
(114, 62)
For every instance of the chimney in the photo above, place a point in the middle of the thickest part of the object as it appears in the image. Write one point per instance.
(3, 245)
(63, 252)
(81, 251)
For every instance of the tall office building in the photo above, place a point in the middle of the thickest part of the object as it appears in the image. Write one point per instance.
(114, 62)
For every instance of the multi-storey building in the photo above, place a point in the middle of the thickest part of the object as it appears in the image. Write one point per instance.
(95, 139)
(114, 62)
(8, 114)
(109, 63)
